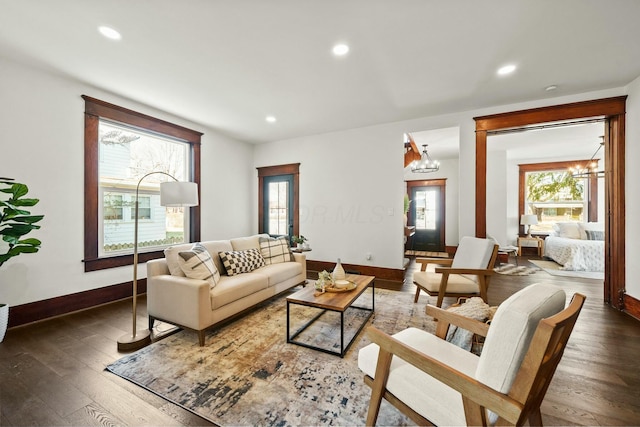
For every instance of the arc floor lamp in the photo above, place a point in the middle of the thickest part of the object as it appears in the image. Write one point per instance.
(172, 193)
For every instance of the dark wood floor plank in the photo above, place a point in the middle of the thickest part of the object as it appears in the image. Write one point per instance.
(597, 381)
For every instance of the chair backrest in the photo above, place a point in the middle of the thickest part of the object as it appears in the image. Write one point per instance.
(519, 321)
(473, 252)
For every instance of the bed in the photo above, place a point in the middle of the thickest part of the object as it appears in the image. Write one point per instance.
(577, 246)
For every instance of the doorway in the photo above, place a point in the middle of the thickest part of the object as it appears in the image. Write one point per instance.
(613, 111)
(427, 215)
(278, 200)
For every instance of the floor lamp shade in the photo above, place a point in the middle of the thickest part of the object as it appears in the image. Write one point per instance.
(176, 193)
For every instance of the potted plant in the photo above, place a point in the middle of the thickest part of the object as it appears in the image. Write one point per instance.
(15, 222)
(298, 240)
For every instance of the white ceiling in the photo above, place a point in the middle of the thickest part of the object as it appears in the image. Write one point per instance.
(228, 64)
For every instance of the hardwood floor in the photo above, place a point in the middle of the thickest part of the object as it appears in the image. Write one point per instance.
(52, 372)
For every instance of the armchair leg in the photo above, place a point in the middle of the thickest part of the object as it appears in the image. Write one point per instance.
(201, 335)
(415, 299)
(379, 385)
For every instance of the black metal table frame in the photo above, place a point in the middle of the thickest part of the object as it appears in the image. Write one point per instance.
(343, 349)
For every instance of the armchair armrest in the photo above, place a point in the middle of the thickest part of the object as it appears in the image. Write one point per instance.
(447, 318)
(475, 394)
(427, 261)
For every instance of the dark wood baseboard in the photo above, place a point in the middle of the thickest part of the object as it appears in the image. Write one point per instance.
(39, 310)
(631, 306)
(390, 274)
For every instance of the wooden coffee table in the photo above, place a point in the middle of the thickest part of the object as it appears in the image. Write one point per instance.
(332, 301)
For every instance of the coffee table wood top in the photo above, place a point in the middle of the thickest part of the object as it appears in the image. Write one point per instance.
(336, 301)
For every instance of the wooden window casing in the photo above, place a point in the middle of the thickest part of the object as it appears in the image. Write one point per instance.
(94, 110)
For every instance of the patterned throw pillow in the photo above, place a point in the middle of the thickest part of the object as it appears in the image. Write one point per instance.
(236, 262)
(275, 251)
(594, 235)
(198, 264)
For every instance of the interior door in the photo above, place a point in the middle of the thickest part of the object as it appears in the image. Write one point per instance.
(278, 205)
(427, 214)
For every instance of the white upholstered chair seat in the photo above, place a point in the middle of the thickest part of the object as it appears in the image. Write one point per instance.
(441, 404)
(457, 283)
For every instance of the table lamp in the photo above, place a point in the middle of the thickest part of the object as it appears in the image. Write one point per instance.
(528, 221)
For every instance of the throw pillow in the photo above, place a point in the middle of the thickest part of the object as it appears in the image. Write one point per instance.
(568, 230)
(236, 262)
(275, 251)
(198, 264)
(595, 235)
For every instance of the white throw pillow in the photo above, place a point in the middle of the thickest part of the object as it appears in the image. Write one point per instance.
(275, 251)
(569, 230)
(197, 264)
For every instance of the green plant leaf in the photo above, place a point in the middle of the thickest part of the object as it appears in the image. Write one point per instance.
(19, 190)
(28, 219)
(26, 202)
(31, 241)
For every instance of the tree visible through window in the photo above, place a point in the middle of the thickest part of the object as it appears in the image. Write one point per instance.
(554, 196)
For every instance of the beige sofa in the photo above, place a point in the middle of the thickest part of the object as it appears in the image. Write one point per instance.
(194, 304)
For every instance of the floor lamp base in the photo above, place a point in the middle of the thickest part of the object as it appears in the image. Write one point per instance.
(130, 343)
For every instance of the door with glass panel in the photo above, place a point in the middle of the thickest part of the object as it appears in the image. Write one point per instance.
(427, 214)
(278, 205)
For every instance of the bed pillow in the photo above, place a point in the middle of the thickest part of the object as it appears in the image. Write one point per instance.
(595, 235)
(589, 226)
(237, 262)
(569, 230)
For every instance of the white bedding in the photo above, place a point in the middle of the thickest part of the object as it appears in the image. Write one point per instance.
(575, 254)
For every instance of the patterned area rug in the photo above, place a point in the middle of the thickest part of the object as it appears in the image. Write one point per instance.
(247, 374)
(555, 269)
(515, 270)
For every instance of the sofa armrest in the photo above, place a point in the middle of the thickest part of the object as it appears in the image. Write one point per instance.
(182, 300)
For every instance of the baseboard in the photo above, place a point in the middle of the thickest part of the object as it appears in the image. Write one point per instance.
(391, 274)
(52, 307)
(631, 306)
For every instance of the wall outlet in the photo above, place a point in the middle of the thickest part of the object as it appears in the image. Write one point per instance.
(369, 256)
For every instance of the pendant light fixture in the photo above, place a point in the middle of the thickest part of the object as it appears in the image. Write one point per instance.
(590, 169)
(426, 164)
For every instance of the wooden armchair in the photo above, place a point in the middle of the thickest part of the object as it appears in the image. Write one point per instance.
(434, 382)
(466, 274)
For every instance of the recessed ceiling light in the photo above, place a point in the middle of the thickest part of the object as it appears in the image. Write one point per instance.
(340, 49)
(109, 33)
(270, 119)
(507, 69)
(551, 88)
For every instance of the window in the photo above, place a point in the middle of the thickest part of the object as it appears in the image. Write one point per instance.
(550, 192)
(122, 146)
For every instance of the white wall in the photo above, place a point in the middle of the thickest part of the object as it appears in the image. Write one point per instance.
(361, 160)
(632, 177)
(42, 140)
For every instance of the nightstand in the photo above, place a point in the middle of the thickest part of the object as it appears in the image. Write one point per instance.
(537, 240)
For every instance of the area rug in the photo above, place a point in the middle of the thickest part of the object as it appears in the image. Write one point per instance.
(554, 269)
(247, 374)
(515, 270)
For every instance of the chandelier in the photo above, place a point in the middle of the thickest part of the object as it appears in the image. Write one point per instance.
(590, 169)
(426, 163)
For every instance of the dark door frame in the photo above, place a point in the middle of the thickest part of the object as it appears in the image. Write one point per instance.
(442, 183)
(613, 110)
(289, 169)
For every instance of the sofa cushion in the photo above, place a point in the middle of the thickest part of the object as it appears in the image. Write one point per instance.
(237, 262)
(278, 273)
(275, 251)
(171, 255)
(197, 263)
(215, 247)
(232, 288)
(244, 243)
